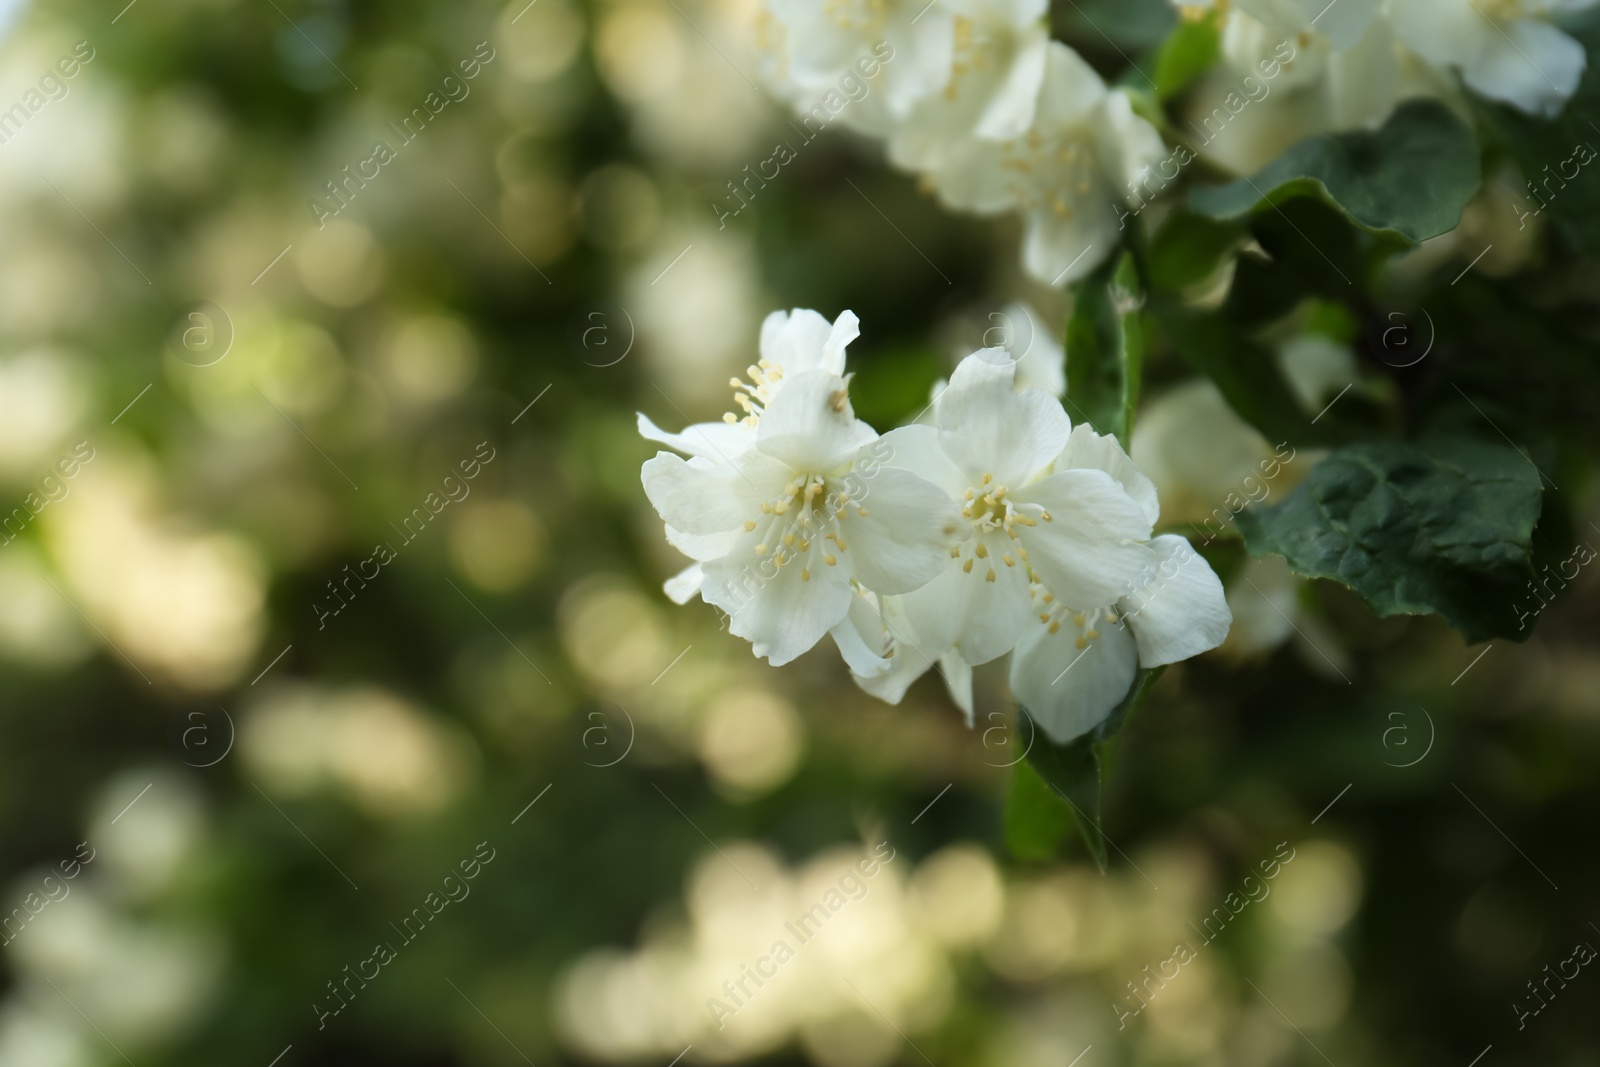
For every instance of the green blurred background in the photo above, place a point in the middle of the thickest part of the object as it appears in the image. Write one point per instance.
(268, 787)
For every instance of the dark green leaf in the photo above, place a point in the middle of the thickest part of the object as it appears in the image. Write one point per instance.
(1077, 771)
(1246, 372)
(1444, 528)
(1105, 349)
(1188, 52)
(1411, 178)
(1188, 248)
(1135, 24)
(1036, 821)
(1310, 250)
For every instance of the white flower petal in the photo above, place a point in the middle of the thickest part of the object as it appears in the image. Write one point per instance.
(703, 547)
(1067, 689)
(699, 497)
(911, 660)
(964, 610)
(1091, 551)
(682, 587)
(1451, 32)
(1367, 80)
(716, 441)
(1088, 450)
(802, 340)
(997, 610)
(1041, 358)
(1180, 609)
(987, 427)
(916, 448)
(1058, 250)
(810, 425)
(1010, 111)
(1009, 12)
(1127, 145)
(1072, 89)
(861, 637)
(957, 674)
(782, 611)
(904, 537)
(1534, 67)
(971, 176)
(1264, 600)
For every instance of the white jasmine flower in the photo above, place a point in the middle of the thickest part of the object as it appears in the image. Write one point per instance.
(791, 343)
(992, 448)
(1076, 666)
(1504, 49)
(907, 45)
(1046, 507)
(997, 68)
(1076, 662)
(1068, 173)
(785, 529)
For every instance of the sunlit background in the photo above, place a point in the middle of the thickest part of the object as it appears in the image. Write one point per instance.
(257, 758)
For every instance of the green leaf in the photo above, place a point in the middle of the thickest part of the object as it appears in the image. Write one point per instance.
(1444, 528)
(1105, 351)
(1036, 820)
(1189, 51)
(1411, 179)
(1121, 24)
(1246, 372)
(1188, 248)
(1077, 771)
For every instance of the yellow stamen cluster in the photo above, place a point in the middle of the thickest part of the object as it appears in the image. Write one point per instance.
(1047, 169)
(856, 15)
(1086, 623)
(754, 395)
(989, 509)
(799, 514)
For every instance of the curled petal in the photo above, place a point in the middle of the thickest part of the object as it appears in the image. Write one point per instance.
(715, 441)
(682, 587)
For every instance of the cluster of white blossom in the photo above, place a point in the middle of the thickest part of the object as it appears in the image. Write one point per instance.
(974, 96)
(997, 527)
(1506, 50)
(1352, 61)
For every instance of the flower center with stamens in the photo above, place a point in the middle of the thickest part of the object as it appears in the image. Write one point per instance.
(992, 511)
(804, 523)
(754, 396)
